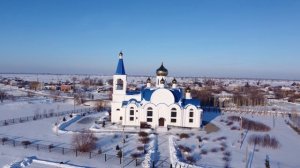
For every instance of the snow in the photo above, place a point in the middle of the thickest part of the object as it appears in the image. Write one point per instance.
(150, 155)
(174, 155)
(162, 147)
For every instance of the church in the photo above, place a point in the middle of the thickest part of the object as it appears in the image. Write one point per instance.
(156, 105)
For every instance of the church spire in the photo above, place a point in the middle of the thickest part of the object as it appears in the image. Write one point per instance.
(120, 68)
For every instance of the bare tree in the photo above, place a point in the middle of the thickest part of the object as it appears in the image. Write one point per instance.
(78, 98)
(84, 141)
(34, 85)
(2, 95)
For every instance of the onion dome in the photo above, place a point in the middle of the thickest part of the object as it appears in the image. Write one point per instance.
(174, 81)
(162, 71)
(121, 55)
(188, 90)
(148, 80)
(162, 81)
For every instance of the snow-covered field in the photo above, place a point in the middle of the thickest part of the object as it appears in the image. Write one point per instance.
(218, 147)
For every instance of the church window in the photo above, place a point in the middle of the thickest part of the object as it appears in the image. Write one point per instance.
(121, 118)
(173, 115)
(131, 111)
(149, 112)
(173, 112)
(118, 109)
(191, 120)
(120, 84)
(191, 114)
(131, 118)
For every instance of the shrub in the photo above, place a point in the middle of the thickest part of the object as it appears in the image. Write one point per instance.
(228, 154)
(136, 155)
(226, 159)
(234, 118)
(220, 139)
(214, 150)
(190, 159)
(144, 140)
(264, 141)
(234, 128)
(184, 148)
(3, 140)
(143, 134)
(250, 124)
(119, 154)
(199, 138)
(25, 143)
(204, 152)
(183, 135)
(84, 142)
(116, 136)
(99, 151)
(50, 146)
(229, 123)
(140, 148)
(205, 139)
(254, 126)
(224, 145)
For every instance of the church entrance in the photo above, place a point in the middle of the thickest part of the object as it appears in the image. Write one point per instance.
(161, 122)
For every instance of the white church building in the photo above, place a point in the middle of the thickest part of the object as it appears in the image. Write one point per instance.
(156, 104)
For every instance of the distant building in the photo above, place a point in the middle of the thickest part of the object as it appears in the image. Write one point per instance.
(158, 106)
(66, 87)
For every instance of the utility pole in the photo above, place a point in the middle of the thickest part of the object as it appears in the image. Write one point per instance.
(74, 104)
(123, 142)
(241, 128)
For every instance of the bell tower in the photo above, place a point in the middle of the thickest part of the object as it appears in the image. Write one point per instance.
(119, 90)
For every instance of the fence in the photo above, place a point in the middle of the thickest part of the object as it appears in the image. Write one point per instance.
(45, 115)
(104, 157)
(250, 110)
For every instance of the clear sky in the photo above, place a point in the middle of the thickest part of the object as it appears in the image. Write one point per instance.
(218, 38)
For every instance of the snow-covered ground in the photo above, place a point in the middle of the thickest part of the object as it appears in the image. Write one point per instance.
(160, 150)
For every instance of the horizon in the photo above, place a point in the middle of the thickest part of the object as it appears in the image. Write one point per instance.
(232, 39)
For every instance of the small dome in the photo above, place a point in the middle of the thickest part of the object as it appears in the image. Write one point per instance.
(148, 80)
(162, 71)
(174, 81)
(121, 55)
(188, 89)
(162, 81)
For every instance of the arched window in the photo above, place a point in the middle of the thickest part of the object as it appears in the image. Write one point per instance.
(191, 115)
(131, 113)
(173, 112)
(120, 84)
(149, 114)
(173, 115)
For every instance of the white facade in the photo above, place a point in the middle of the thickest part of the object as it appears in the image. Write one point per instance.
(156, 106)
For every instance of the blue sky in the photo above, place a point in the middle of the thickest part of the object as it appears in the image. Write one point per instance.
(238, 38)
